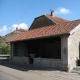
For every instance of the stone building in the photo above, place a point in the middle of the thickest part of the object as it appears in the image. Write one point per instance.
(4, 39)
(50, 42)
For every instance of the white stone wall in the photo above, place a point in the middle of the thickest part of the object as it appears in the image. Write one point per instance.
(73, 48)
(64, 52)
(20, 59)
(45, 62)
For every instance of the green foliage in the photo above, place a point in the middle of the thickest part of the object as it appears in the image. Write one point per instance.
(5, 49)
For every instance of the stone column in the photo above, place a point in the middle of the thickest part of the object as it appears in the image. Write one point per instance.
(11, 51)
(64, 52)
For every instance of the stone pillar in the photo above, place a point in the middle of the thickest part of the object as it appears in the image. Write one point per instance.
(11, 51)
(64, 52)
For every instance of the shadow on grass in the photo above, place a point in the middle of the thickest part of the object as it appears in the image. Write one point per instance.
(24, 67)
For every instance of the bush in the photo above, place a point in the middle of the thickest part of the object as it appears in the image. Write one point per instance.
(78, 62)
(5, 49)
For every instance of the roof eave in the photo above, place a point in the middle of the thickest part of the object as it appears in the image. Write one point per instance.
(42, 37)
(76, 28)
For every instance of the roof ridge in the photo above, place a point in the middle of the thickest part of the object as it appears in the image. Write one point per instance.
(57, 17)
(75, 20)
(55, 24)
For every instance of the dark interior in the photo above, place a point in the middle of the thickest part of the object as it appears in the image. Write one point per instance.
(44, 48)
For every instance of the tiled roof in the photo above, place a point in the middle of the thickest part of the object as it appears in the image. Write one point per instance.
(57, 19)
(46, 20)
(53, 30)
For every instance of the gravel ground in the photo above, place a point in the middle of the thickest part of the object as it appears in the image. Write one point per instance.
(14, 71)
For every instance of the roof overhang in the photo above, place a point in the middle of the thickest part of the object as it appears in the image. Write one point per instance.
(58, 35)
(76, 28)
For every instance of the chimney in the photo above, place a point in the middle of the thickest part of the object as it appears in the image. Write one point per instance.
(16, 28)
(52, 13)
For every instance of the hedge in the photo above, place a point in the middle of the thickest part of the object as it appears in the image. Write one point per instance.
(5, 49)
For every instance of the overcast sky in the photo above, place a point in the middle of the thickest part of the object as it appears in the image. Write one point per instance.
(21, 13)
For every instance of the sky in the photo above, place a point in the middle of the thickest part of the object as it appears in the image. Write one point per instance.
(21, 13)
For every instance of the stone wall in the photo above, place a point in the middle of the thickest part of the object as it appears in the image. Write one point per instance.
(64, 51)
(73, 48)
(18, 59)
(9, 36)
(45, 62)
(70, 49)
(41, 22)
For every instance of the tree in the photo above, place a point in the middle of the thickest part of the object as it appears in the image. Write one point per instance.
(5, 49)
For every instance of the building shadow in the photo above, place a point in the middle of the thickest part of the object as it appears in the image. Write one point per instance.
(24, 67)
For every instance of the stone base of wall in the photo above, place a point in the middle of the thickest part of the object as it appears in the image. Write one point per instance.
(53, 63)
(21, 59)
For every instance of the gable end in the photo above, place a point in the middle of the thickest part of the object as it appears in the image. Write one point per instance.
(41, 21)
(77, 27)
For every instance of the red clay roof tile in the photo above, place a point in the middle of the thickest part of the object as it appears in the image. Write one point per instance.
(57, 19)
(52, 30)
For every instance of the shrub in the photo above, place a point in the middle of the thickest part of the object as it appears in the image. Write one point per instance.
(5, 49)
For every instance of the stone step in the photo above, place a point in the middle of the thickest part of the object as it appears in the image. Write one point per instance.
(4, 57)
(76, 69)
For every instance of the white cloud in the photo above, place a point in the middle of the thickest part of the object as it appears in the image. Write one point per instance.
(22, 25)
(7, 29)
(3, 29)
(62, 10)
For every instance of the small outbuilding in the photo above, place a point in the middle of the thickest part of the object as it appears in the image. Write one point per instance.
(50, 42)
